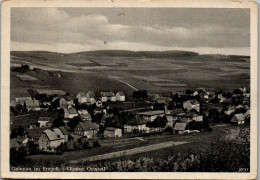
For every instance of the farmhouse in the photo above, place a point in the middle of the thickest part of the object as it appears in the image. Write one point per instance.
(151, 115)
(120, 96)
(51, 139)
(112, 132)
(179, 128)
(190, 116)
(43, 121)
(91, 97)
(14, 144)
(238, 119)
(136, 124)
(32, 105)
(87, 129)
(191, 104)
(70, 113)
(22, 100)
(105, 96)
(81, 98)
(35, 133)
(66, 101)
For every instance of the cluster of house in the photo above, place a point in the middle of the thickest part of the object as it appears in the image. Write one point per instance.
(49, 138)
(174, 117)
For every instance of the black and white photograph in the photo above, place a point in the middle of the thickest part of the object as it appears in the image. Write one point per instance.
(131, 89)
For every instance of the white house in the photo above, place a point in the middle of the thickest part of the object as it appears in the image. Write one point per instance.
(151, 115)
(112, 132)
(191, 104)
(120, 96)
(50, 139)
(70, 113)
(105, 96)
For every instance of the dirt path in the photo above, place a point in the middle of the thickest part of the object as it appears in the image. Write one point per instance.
(128, 152)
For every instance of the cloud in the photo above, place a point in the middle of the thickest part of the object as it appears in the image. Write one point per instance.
(64, 32)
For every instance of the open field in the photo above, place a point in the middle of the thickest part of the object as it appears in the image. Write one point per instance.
(155, 74)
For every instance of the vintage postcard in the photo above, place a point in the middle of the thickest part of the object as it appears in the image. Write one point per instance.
(129, 89)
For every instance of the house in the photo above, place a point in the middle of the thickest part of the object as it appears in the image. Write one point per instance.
(35, 133)
(87, 129)
(151, 115)
(21, 100)
(189, 116)
(136, 123)
(120, 96)
(82, 111)
(155, 97)
(179, 128)
(112, 132)
(66, 102)
(43, 121)
(91, 97)
(22, 140)
(50, 139)
(191, 104)
(230, 110)
(99, 110)
(85, 117)
(108, 96)
(98, 102)
(195, 93)
(32, 105)
(81, 97)
(14, 144)
(238, 119)
(65, 133)
(70, 113)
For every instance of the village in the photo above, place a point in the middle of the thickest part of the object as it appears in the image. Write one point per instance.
(70, 123)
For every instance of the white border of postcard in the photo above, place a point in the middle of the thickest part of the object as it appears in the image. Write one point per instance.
(5, 87)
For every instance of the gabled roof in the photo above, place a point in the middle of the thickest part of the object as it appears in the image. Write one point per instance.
(107, 94)
(238, 117)
(14, 144)
(72, 111)
(69, 98)
(136, 120)
(151, 113)
(44, 119)
(64, 130)
(32, 103)
(54, 134)
(91, 94)
(193, 101)
(88, 125)
(180, 126)
(111, 129)
(120, 93)
(81, 94)
(35, 132)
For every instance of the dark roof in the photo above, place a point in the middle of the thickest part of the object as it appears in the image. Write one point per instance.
(69, 98)
(107, 94)
(14, 144)
(88, 125)
(136, 120)
(180, 126)
(32, 103)
(35, 132)
(91, 94)
(64, 130)
(111, 129)
(120, 93)
(72, 111)
(44, 119)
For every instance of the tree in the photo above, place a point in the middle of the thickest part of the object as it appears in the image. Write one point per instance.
(58, 122)
(18, 109)
(214, 115)
(20, 131)
(74, 122)
(159, 122)
(14, 134)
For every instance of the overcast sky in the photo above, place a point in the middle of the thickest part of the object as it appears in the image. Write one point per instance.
(225, 31)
